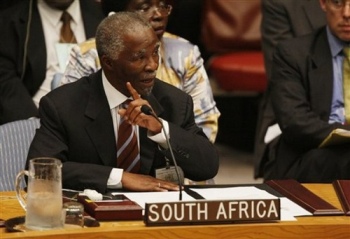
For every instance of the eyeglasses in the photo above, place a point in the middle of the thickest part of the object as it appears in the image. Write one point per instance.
(147, 10)
(338, 4)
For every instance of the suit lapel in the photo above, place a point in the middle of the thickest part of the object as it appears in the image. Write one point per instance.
(36, 50)
(100, 129)
(321, 75)
(148, 147)
(156, 106)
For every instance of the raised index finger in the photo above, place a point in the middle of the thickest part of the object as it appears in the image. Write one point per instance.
(135, 95)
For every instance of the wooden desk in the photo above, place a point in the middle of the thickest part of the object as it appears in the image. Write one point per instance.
(330, 227)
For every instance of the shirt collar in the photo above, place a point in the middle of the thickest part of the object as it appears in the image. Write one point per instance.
(54, 15)
(114, 97)
(335, 43)
(74, 11)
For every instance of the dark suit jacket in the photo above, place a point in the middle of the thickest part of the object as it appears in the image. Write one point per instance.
(280, 20)
(77, 128)
(301, 95)
(287, 19)
(16, 92)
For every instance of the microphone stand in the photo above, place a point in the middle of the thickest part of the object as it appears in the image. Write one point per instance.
(148, 111)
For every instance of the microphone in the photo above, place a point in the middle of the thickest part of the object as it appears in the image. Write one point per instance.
(148, 111)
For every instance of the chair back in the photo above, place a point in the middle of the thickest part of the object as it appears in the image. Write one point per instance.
(231, 35)
(15, 139)
(231, 25)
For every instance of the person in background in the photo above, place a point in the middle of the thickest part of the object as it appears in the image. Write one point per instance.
(83, 122)
(180, 65)
(308, 98)
(280, 20)
(185, 20)
(29, 54)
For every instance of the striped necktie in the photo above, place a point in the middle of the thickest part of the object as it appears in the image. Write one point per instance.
(67, 35)
(346, 83)
(128, 156)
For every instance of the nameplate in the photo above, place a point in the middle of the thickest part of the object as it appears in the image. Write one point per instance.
(208, 212)
(342, 188)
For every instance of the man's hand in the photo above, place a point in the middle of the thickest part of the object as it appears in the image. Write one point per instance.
(133, 114)
(145, 183)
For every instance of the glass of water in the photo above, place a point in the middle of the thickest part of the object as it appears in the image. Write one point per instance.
(74, 214)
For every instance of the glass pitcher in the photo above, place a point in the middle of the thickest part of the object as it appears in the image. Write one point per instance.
(43, 204)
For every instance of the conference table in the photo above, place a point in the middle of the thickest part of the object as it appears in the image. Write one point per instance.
(330, 227)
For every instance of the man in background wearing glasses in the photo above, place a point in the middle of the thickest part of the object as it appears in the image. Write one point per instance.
(180, 62)
(308, 98)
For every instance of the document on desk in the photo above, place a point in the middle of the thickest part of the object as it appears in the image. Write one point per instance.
(142, 198)
(289, 209)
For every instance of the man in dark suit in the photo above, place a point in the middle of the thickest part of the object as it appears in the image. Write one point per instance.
(280, 20)
(79, 120)
(307, 98)
(25, 50)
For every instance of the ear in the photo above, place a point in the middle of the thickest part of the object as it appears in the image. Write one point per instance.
(323, 5)
(106, 61)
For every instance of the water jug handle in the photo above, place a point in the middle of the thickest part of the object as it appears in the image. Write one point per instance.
(19, 190)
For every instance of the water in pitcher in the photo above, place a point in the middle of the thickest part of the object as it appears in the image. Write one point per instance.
(44, 210)
(43, 204)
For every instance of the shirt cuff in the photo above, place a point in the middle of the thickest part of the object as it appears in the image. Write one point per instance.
(160, 138)
(115, 179)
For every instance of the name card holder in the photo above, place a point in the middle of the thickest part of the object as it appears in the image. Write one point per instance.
(342, 188)
(119, 209)
(299, 194)
(209, 212)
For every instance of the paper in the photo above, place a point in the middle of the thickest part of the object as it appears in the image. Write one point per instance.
(234, 193)
(289, 209)
(63, 51)
(337, 136)
(142, 198)
(272, 132)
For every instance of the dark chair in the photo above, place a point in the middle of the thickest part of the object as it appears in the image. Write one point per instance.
(231, 33)
(232, 38)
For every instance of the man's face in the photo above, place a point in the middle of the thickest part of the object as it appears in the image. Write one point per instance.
(155, 11)
(338, 17)
(137, 63)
